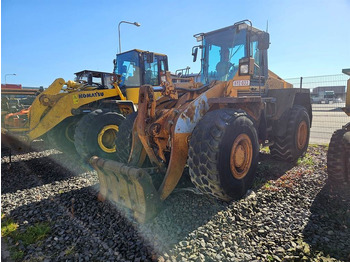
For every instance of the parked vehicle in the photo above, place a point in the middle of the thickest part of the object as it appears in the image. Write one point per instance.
(215, 127)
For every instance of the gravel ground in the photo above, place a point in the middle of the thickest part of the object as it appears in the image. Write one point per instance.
(291, 214)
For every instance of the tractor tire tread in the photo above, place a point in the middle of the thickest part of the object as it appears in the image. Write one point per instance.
(338, 158)
(283, 148)
(204, 149)
(123, 141)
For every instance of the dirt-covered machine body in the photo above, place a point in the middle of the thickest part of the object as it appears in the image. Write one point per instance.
(214, 126)
(338, 155)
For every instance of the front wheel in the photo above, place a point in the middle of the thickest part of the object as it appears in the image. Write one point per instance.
(96, 133)
(223, 154)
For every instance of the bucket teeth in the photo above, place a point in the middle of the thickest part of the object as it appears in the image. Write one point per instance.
(128, 187)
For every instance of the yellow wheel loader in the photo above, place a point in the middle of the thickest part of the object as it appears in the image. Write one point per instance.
(85, 114)
(338, 155)
(215, 126)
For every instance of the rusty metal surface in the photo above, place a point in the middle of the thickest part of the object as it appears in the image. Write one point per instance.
(234, 100)
(128, 187)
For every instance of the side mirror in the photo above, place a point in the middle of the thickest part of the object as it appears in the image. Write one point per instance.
(114, 65)
(195, 53)
(149, 57)
(264, 41)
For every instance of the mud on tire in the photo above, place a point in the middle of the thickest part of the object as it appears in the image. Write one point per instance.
(96, 133)
(338, 158)
(296, 140)
(210, 154)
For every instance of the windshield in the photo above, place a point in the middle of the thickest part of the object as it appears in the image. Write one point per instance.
(128, 67)
(221, 52)
(85, 78)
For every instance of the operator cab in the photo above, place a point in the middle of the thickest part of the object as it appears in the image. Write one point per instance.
(137, 68)
(101, 80)
(239, 48)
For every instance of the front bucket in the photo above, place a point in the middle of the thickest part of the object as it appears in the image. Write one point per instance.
(128, 187)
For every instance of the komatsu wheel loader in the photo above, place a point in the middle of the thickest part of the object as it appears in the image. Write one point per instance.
(215, 127)
(85, 114)
(338, 155)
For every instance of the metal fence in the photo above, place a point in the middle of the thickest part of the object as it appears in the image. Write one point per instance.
(328, 97)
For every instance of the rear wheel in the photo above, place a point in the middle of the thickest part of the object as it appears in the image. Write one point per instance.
(96, 133)
(338, 157)
(296, 140)
(62, 135)
(223, 154)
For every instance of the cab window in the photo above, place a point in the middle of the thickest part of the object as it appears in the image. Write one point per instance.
(128, 67)
(255, 53)
(151, 72)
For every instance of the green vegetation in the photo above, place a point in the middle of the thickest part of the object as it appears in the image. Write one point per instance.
(324, 146)
(8, 226)
(267, 185)
(34, 233)
(307, 160)
(265, 149)
(31, 235)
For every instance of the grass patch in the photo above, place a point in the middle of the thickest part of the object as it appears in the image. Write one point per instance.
(8, 226)
(265, 149)
(33, 234)
(307, 160)
(319, 145)
(30, 235)
(267, 185)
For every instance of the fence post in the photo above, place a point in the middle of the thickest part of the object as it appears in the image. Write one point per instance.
(301, 83)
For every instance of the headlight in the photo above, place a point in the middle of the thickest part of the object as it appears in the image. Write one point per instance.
(244, 69)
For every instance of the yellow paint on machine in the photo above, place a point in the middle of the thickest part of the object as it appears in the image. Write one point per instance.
(132, 94)
(43, 118)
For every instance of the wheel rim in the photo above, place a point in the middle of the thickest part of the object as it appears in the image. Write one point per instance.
(302, 135)
(69, 132)
(241, 156)
(106, 138)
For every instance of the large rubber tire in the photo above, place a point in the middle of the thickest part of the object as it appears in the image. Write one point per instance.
(61, 136)
(338, 158)
(296, 140)
(212, 160)
(95, 134)
(124, 139)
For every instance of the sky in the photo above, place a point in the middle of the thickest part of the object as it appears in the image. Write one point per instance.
(42, 40)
